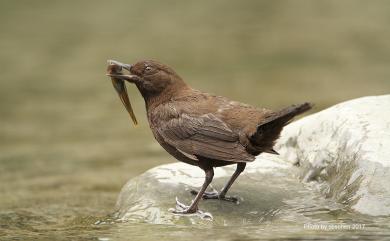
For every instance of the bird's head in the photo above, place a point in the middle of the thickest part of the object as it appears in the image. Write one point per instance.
(151, 77)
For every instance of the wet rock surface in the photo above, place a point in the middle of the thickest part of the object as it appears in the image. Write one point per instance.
(267, 192)
(346, 150)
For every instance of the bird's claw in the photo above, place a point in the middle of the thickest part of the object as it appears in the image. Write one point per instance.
(216, 195)
(182, 209)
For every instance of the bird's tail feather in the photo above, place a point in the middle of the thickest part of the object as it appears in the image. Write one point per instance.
(269, 129)
(286, 114)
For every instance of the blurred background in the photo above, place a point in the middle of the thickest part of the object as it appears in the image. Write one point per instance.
(67, 145)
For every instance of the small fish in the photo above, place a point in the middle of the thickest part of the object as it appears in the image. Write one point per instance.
(115, 67)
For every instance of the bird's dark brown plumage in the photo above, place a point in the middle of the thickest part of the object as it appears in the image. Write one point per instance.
(203, 129)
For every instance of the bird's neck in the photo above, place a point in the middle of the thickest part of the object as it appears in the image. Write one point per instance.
(170, 92)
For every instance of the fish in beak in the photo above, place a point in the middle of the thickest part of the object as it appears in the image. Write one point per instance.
(115, 71)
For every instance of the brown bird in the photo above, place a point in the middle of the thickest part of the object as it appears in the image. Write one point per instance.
(202, 129)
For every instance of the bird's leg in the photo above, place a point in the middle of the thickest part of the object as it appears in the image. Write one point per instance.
(240, 168)
(222, 195)
(193, 208)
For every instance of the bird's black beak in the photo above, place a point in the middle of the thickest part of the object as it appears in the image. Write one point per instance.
(119, 64)
(118, 74)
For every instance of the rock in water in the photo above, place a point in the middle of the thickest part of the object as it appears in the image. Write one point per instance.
(342, 155)
(345, 148)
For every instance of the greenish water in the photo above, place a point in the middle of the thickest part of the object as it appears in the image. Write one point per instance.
(66, 143)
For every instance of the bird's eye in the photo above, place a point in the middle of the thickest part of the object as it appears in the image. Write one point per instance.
(148, 69)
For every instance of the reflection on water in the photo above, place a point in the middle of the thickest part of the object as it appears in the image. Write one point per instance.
(66, 143)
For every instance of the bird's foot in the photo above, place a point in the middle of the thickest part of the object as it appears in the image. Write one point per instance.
(216, 195)
(182, 209)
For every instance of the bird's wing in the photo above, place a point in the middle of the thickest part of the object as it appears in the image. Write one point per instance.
(204, 136)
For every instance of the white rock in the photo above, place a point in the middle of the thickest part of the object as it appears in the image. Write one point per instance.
(346, 148)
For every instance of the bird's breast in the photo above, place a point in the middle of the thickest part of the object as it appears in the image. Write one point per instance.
(162, 113)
